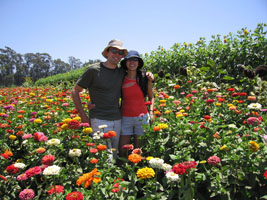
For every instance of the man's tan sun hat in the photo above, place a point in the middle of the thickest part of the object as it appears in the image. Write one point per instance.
(116, 44)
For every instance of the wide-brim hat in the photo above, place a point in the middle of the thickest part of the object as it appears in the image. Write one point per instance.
(132, 54)
(116, 44)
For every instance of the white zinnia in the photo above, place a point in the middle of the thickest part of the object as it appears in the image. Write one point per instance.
(171, 176)
(156, 163)
(53, 142)
(255, 106)
(102, 126)
(232, 126)
(75, 153)
(98, 135)
(19, 165)
(51, 170)
(166, 167)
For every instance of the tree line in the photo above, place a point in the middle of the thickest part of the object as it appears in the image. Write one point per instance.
(15, 67)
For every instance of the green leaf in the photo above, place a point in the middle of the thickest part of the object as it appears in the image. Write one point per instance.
(229, 78)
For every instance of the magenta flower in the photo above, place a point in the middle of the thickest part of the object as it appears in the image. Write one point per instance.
(214, 160)
(253, 120)
(26, 136)
(26, 194)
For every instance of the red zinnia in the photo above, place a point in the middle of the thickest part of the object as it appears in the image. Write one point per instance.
(209, 101)
(265, 174)
(74, 124)
(74, 196)
(93, 150)
(128, 146)
(48, 159)
(12, 169)
(179, 169)
(59, 189)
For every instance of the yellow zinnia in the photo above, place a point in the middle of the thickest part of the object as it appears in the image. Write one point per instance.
(37, 121)
(145, 173)
(253, 146)
(87, 130)
(12, 137)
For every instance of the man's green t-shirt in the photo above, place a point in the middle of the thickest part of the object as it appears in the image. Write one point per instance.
(104, 87)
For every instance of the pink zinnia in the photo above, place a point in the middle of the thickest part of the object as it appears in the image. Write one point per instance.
(26, 194)
(33, 171)
(214, 160)
(22, 177)
(38, 135)
(252, 120)
(26, 136)
(48, 159)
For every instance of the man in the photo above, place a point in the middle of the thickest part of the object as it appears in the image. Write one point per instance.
(104, 81)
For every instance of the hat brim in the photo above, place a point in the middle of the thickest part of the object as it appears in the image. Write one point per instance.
(105, 51)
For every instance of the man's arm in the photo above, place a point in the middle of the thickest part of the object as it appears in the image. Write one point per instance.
(75, 93)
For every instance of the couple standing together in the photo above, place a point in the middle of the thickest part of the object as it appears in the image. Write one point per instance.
(107, 83)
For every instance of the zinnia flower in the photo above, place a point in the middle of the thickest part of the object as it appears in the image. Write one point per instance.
(88, 178)
(87, 130)
(214, 160)
(53, 142)
(255, 106)
(156, 163)
(171, 176)
(26, 194)
(74, 196)
(59, 189)
(253, 120)
(101, 147)
(253, 146)
(134, 158)
(22, 177)
(51, 170)
(11, 169)
(74, 124)
(48, 159)
(75, 153)
(145, 173)
(19, 165)
(265, 174)
(33, 171)
(40, 150)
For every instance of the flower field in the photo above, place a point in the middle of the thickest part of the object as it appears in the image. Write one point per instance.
(206, 140)
(203, 143)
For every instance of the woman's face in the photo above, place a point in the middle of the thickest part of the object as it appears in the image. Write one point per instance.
(132, 64)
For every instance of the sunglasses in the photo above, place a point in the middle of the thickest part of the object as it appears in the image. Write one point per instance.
(133, 59)
(117, 51)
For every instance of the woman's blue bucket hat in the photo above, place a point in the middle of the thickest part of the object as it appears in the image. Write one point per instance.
(131, 54)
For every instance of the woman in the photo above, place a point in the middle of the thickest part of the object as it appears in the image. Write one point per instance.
(135, 88)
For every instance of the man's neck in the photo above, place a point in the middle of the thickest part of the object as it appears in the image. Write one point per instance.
(109, 65)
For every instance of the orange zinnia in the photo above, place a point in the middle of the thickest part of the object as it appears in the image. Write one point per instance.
(112, 133)
(88, 178)
(176, 86)
(134, 158)
(101, 147)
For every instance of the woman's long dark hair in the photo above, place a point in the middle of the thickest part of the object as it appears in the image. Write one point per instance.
(141, 80)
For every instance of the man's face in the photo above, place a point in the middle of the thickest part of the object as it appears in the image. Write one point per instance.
(114, 55)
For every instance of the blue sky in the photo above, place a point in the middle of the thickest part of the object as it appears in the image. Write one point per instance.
(82, 28)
